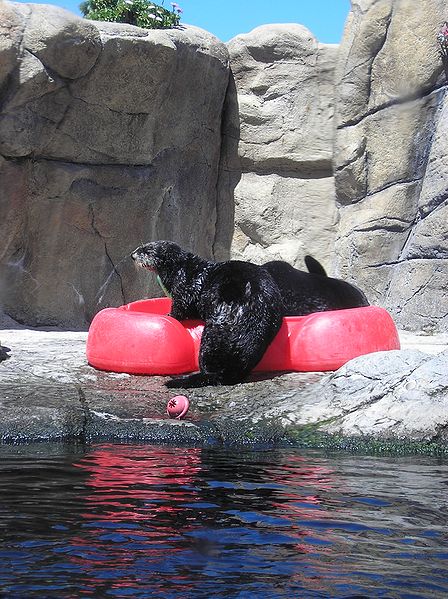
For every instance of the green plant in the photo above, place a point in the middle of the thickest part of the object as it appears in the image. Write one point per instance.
(135, 12)
(442, 38)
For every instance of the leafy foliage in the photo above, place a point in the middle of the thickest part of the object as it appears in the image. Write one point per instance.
(442, 38)
(135, 12)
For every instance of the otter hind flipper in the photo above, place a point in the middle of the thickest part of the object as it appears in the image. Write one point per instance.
(197, 379)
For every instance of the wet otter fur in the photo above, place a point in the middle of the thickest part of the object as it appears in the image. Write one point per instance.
(238, 301)
(313, 291)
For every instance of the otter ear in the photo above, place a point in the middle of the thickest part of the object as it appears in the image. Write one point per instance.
(248, 290)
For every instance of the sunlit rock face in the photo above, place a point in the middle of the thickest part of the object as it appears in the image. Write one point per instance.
(374, 113)
(391, 166)
(285, 202)
(110, 135)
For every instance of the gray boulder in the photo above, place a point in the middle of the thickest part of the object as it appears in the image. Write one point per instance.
(110, 135)
(400, 395)
(284, 203)
(391, 171)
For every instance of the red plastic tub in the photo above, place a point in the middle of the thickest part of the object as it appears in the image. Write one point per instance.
(139, 338)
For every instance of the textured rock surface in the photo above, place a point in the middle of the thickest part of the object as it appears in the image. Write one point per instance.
(110, 135)
(388, 395)
(284, 203)
(48, 392)
(391, 169)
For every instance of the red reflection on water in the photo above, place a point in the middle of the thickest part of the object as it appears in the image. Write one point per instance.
(135, 513)
(299, 473)
(151, 479)
(141, 500)
(297, 504)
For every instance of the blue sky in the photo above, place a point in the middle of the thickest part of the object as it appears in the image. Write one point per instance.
(325, 18)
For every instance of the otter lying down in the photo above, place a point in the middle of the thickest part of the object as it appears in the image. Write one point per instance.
(242, 305)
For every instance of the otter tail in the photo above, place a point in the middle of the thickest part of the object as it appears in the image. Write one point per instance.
(314, 267)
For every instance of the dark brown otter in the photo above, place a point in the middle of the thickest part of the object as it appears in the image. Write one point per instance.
(238, 301)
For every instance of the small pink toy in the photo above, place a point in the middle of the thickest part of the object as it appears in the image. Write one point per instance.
(178, 406)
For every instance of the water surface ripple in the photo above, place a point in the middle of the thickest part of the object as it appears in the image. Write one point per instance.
(145, 521)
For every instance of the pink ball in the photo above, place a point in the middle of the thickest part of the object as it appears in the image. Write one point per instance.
(177, 406)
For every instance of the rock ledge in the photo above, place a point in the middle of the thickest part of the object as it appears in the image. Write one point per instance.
(388, 401)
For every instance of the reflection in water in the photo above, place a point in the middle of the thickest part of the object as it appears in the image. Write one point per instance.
(194, 513)
(143, 521)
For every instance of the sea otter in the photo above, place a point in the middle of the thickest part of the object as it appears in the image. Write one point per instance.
(239, 302)
(313, 291)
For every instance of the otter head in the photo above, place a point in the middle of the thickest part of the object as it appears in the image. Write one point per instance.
(161, 257)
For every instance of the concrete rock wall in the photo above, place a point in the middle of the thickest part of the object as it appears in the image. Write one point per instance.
(391, 167)
(110, 135)
(380, 221)
(285, 202)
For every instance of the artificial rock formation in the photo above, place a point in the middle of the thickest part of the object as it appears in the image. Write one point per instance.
(391, 167)
(285, 202)
(110, 135)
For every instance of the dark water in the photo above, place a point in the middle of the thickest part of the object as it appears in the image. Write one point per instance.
(142, 521)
